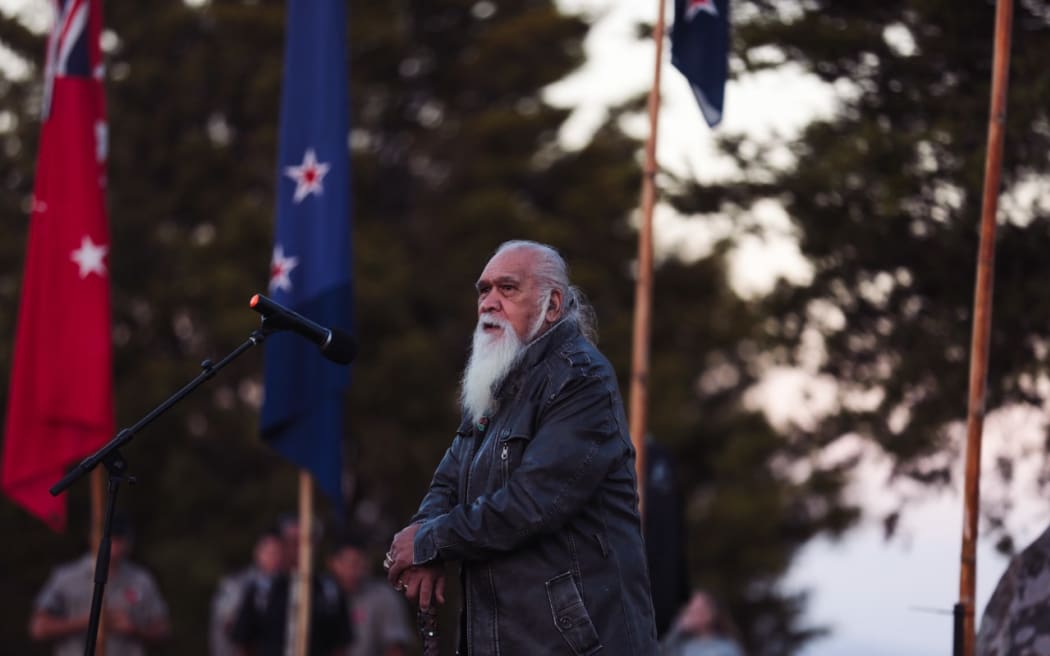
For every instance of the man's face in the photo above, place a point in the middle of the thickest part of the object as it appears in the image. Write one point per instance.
(269, 554)
(119, 547)
(698, 615)
(508, 291)
(349, 566)
(290, 538)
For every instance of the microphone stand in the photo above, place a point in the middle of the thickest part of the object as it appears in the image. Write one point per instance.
(116, 466)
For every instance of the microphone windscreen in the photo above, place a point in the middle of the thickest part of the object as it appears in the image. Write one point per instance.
(342, 348)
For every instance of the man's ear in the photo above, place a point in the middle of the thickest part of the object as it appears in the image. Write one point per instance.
(554, 306)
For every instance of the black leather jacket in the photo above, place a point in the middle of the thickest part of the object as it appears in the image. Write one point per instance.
(541, 510)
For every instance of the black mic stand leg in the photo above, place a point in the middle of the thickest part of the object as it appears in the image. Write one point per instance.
(117, 467)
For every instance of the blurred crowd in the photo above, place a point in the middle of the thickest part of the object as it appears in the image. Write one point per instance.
(252, 613)
(353, 612)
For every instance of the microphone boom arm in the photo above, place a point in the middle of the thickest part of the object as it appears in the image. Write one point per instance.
(110, 456)
(209, 370)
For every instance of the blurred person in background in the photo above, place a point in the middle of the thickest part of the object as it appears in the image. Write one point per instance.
(268, 561)
(264, 624)
(665, 536)
(288, 529)
(702, 629)
(536, 498)
(378, 616)
(134, 612)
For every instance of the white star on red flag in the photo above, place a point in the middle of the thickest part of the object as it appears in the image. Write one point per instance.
(89, 257)
(280, 267)
(694, 7)
(308, 175)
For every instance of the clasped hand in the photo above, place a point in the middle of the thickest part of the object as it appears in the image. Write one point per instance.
(421, 584)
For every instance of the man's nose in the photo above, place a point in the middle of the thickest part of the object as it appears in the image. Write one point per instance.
(488, 303)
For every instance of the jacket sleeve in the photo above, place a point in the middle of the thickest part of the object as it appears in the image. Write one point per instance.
(575, 445)
(444, 487)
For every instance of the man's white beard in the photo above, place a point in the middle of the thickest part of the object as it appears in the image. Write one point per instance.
(491, 358)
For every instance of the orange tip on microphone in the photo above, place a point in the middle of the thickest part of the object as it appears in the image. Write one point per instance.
(254, 301)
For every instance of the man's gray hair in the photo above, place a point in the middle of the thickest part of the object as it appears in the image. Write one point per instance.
(551, 272)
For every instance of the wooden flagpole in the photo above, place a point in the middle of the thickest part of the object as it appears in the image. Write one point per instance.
(98, 515)
(304, 588)
(643, 290)
(982, 320)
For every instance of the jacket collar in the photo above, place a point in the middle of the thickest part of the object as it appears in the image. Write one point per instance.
(535, 352)
(541, 347)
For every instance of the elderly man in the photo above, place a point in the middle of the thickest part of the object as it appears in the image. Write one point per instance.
(536, 496)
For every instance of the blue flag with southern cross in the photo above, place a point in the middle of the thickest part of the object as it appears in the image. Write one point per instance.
(700, 51)
(302, 415)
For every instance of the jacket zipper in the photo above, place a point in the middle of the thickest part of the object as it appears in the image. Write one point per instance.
(503, 463)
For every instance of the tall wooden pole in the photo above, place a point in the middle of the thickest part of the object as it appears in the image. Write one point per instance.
(982, 321)
(643, 289)
(304, 583)
(98, 515)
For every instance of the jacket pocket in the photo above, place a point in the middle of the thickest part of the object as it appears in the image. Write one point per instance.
(510, 450)
(513, 440)
(570, 615)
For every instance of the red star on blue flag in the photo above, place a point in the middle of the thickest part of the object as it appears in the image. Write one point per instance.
(281, 269)
(308, 176)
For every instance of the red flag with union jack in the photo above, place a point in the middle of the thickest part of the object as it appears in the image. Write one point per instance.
(60, 402)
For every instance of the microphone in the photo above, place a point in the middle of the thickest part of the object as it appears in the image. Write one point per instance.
(335, 345)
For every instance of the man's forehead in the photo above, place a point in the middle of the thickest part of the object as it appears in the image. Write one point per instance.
(512, 265)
